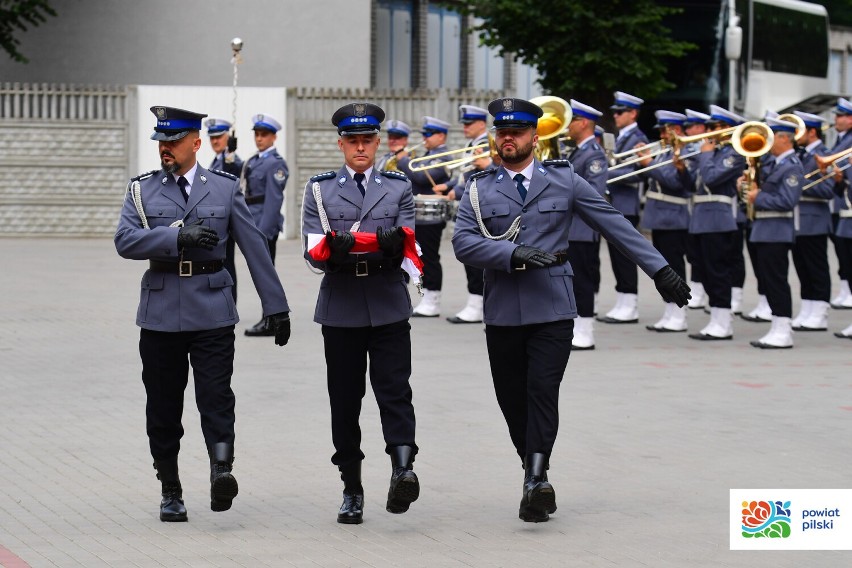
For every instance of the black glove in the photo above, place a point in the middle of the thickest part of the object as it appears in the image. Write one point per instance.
(340, 244)
(281, 327)
(390, 241)
(532, 257)
(196, 235)
(232, 143)
(671, 286)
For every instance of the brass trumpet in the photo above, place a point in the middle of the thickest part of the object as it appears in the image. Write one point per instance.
(752, 140)
(393, 162)
(415, 164)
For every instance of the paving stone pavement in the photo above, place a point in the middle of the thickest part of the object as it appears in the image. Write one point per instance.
(655, 430)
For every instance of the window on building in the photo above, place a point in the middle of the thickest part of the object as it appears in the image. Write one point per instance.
(393, 44)
(444, 48)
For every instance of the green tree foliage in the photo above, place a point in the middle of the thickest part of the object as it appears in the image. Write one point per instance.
(581, 48)
(17, 16)
(839, 11)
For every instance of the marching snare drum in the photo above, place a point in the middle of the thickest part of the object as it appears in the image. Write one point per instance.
(431, 209)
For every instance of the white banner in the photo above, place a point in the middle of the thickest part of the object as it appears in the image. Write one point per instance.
(791, 519)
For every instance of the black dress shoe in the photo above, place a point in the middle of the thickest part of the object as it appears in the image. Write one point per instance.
(607, 319)
(841, 336)
(538, 498)
(706, 337)
(352, 510)
(457, 319)
(404, 485)
(172, 509)
(223, 485)
(263, 328)
(755, 319)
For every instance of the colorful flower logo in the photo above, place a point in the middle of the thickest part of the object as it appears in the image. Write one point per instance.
(769, 519)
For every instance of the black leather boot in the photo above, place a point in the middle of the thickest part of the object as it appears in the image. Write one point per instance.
(223, 485)
(538, 497)
(404, 486)
(172, 509)
(352, 510)
(263, 328)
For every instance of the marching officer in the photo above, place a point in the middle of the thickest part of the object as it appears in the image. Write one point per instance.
(810, 249)
(529, 298)
(264, 177)
(429, 231)
(843, 231)
(625, 197)
(474, 122)
(773, 230)
(694, 125)
(714, 222)
(397, 135)
(584, 243)
(179, 219)
(364, 306)
(843, 125)
(217, 132)
(667, 211)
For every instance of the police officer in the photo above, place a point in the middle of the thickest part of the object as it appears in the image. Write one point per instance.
(667, 211)
(810, 249)
(694, 125)
(843, 231)
(217, 131)
(773, 230)
(397, 134)
(513, 222)
(474, 121)
(843, 126)
(624, 196)
(179, 219)
(364, 306)
(264, 177)
(714, 222)
(429, 231)
(589, 161)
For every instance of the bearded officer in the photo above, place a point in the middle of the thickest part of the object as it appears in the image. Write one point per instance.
(180, 219)
(518, 232)
(264, 177)
(364, 306)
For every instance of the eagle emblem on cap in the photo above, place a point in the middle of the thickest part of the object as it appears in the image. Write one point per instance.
(161, 112)
(259, 118)
(210, 122)
(360, 109)
(508, 105)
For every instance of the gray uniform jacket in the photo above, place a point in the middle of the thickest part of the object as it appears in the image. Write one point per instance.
(230, 163)
(266, 175)
(667, 200)
(589, 161)
(844, 143)
(716, 174)
(556, 193)
(780, 189)
(624, 194)
(174, 303)
(347, 300)
(814, 207)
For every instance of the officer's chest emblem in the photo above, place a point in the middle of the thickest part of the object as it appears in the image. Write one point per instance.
(791, 180)
(378, 180)
(341, 181)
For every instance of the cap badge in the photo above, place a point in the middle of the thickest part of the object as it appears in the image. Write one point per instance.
(360, 110)
(508, 105)
(161, 113)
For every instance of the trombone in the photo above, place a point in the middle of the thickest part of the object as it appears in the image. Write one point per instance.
(393, 162)
(827, 165)
(551, 126)
(418, 165)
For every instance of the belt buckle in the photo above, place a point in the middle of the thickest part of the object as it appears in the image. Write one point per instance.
(521, 267)
(185, 268)
(359, 271)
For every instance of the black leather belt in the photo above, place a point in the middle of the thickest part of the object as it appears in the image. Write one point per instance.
(252, 199)
(367, 267)
(187, 267)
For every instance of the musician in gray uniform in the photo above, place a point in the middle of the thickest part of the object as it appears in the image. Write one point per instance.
(694, 125)
(225, 161)
(667, 211)
(429, 231)
(364, 306)
(810, 249)
(625, 197)
(714, 222)
(514, 221)
(397, 134)
(264, 177)
(180, 219)
(773, 230)
(843, 231)
(843, 125)
(589, 162)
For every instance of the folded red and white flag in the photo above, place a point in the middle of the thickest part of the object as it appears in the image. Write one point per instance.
(366, 242)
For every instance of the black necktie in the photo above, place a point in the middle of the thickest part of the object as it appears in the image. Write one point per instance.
(182, 183)
(358, 179)
(519, 181)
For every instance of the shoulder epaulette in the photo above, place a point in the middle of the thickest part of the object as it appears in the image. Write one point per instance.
(483, 173)
(324, 175)
(557, 163)
(145, 175)
(394, 174)
(225, 174)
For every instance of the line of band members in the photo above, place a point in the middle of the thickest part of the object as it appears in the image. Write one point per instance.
(694, 201)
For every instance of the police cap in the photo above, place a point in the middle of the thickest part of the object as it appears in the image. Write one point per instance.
(358, 118)
(514, 113)
(174, 123)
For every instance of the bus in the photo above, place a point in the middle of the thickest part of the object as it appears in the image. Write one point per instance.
(782, 64)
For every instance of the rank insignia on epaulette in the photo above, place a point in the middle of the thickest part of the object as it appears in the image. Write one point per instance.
(140, 177)
(324, 175)
(557, 163)
(394, 174)
(483, 173)
(223, 174)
